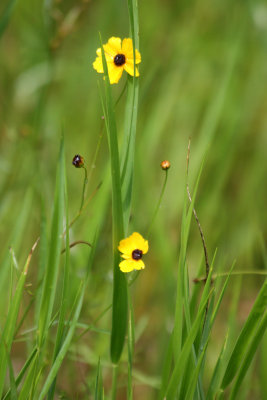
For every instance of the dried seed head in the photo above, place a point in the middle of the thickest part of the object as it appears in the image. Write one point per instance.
(165, 164)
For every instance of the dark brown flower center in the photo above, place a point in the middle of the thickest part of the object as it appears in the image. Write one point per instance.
(119, 60)
(137, 254)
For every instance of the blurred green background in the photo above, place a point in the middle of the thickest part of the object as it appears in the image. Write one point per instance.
(203, 76)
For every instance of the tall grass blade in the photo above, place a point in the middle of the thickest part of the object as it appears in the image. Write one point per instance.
(10, 325)
(43, 255)
(245, 336)
(119, 309)
(51, 273)
(130, 123)
(65, 345)
(65, 292)
(22, 372)
(13, 388)
(131, 342)
(181, 289)
(192, 385)
(16, 236)
(99, 389)
(182, 360)
(248, 357)
(215, 379)
(166, 370)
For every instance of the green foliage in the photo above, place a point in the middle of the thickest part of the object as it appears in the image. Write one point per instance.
(180, 329)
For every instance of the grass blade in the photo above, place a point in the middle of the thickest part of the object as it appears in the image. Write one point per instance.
(99, 389)
(131, 109)
(182, 360)
(250, 353)
(10, 325)
(131, 342)
(22, 372)
(192, 386)
(245, 336)
(65, 290)
(51, 273)
(119, 309)
(66, 344)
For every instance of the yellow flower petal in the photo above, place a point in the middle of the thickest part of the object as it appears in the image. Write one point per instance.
(109, 58)
(131, 265)
(114, 73)
(139, 242)
(127, 50)
(113, 47)
(127, 47)
(98, 66)
(130, 69)
(133, 242)
(126, 246)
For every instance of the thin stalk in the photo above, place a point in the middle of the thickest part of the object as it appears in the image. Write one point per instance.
(158, 204)
(223, 274)
(196, 217)
(100, 136)
(85, 181)
(114, 381)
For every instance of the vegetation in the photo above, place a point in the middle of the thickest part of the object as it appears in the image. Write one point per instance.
(191, 325)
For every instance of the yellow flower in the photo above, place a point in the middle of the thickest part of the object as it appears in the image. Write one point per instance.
(132, 249)
(119, 56)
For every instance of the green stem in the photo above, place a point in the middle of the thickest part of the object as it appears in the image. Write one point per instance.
(84, 187)
(159, 203)
(101, 135)
(223, 274)
(114, 381)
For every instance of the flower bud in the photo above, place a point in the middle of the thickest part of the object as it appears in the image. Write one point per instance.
(165, 165)
(78, 161)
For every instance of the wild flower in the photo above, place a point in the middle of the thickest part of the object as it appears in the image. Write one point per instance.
(132, 249)
(119, 56)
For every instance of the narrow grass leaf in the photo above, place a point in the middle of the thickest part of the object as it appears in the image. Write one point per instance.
(250, 353)
(166, 370)
(30, 381)
(215, 312)
(182, 360)
(119, 309)
(22, 372)
(192, 385)
(245, 336)
(65, 345)
(131, 342)
(65, 291)
(43, 255)
(216, 376)
(178, 317)
(16, 236)
(99, 389)
(13, 388)
(10, 324)
(128, 150)
(51, 273)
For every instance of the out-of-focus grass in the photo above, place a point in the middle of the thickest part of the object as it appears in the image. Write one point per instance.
(203, 75)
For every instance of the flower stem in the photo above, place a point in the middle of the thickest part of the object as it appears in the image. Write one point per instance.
(158, 204)
(84, 187)
(223, 274)
(101, 135)
(114, 381)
